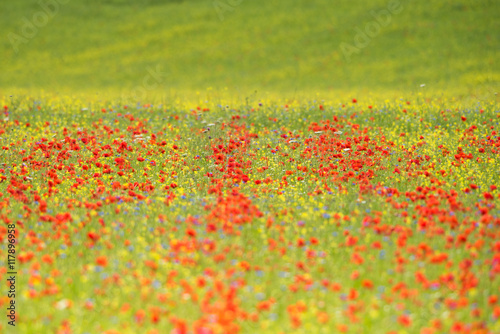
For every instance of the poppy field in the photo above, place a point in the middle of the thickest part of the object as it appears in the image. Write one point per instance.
(265, 216)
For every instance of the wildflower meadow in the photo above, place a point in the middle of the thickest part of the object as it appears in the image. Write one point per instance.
(266, 217)
(249, 167)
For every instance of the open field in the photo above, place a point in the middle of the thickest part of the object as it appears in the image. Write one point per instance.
(258, 217)
(296, 46)
(265, 166)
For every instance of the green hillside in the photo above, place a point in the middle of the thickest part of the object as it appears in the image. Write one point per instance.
(243, 45)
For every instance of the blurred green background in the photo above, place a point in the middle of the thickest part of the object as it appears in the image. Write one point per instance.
(248, 45)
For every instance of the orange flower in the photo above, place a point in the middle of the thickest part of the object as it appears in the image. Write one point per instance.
(191, 233)
(323, 317)
(404, 320)
(342, 328)
(301, 242)
(102, 261)
(47, 259)
(140, 315)
(367, 284)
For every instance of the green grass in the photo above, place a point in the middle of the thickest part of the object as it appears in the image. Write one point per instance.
(268, 46)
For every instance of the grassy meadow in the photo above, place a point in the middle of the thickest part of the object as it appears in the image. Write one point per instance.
(239, 166)
(269, 46)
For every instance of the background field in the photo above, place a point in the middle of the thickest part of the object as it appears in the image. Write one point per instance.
(264, 46)
(279, 185)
